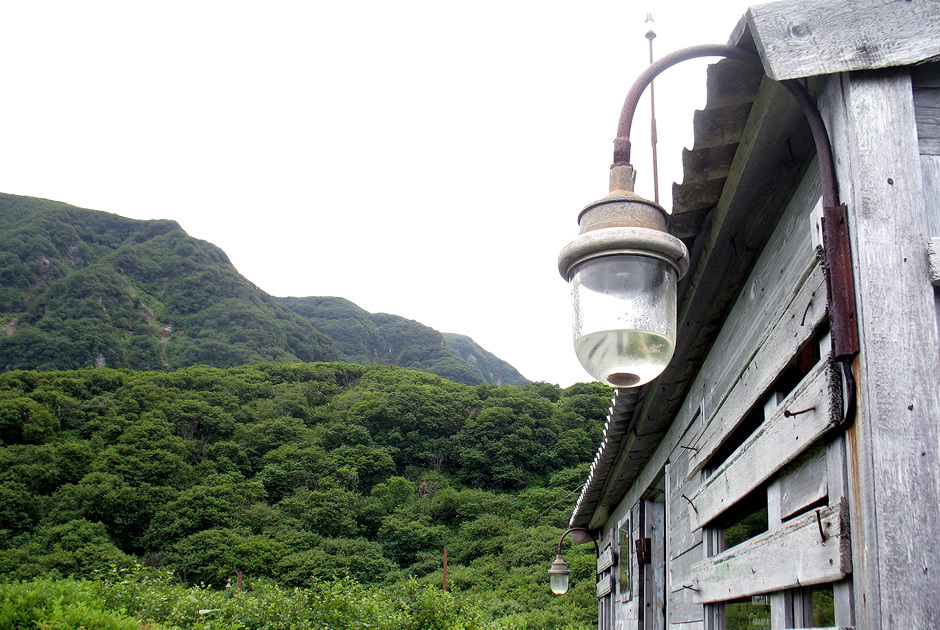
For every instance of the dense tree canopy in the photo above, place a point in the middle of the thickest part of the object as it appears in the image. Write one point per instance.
(297, 472)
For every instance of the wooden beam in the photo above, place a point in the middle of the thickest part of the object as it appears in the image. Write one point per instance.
(796, 38)
(777, 442)
(810, 549)
(804, 482)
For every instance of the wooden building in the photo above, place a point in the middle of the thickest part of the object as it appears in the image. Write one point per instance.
(744, 488)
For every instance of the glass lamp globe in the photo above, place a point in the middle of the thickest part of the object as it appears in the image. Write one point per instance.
(624, 317)
(558, 576)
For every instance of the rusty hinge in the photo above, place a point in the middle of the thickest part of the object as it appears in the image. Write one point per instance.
(644, 550)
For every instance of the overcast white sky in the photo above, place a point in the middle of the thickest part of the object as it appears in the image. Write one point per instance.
(426, 158)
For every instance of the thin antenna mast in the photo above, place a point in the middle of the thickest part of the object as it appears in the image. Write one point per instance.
(650, 35)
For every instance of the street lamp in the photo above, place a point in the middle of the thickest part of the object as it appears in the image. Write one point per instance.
(558, 573)
(623, 266)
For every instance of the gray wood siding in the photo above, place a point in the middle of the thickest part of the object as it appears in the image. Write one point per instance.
(893, 446)
(925, 83)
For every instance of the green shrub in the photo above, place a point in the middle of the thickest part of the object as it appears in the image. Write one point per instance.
(57, 605)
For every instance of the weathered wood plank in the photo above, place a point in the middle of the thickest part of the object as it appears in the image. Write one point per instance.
(796, 38)
(681, 606)
(653, 575)
(927, 117)
(933, 254)
(804, 482)
(773, 445)
(930, 178)
(895, 440)
(784, 335)
(682, 536)
(789, 556)
(767, 290)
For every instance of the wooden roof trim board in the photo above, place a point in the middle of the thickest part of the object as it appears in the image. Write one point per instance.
(798, 39)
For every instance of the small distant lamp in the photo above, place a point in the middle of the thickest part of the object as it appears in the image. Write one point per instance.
(623, 269)
(558, 576)
(558, 573)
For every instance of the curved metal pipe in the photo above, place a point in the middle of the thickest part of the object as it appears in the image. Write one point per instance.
(802, 97)
(622, 143)
(578, 529)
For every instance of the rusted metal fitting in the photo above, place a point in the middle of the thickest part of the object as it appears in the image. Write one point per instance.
(623, 223)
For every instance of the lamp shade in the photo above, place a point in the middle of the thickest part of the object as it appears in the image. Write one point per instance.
(558, 576)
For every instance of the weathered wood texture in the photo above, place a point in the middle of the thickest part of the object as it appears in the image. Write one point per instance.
(933, 254)
(804, 482)
(782, 336)
(682, 536)
(773, 445)
(925, 81)
(788, 556)
(653, 575)
(894, 463)
(681, 605)
(796, 38)
(930, 176)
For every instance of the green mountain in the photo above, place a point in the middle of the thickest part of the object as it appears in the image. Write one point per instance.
(384, 339)
(87, 288)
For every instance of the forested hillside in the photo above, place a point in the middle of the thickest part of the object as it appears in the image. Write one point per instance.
(86, 288)
(83, 288)
(293, 473)
(383, 339)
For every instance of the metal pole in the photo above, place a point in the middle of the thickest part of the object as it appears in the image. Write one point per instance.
(650, 35)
